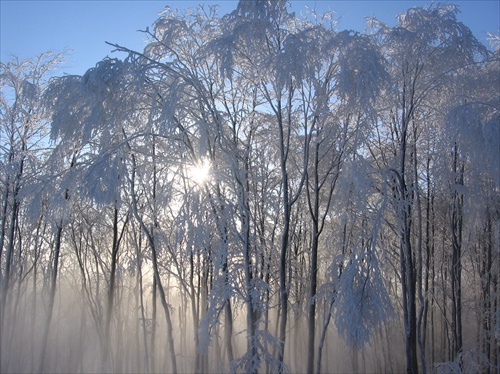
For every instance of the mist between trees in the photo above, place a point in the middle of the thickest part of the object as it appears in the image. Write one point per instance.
(255, 192)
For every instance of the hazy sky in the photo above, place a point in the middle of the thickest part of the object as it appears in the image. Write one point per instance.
(29, 28)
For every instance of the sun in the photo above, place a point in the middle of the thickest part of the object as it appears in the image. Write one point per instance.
(199, 172)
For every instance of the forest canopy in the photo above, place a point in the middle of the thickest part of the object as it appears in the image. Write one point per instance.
(255, 192)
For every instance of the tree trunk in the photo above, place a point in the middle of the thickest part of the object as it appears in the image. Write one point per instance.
(404, 212)
(420, 321)
(283, 289)
(139, 281)
(486, 304)
(322, 338)
(456, 260)
(314, 210)
(428, 252)
(312, 296)
(52, 295)
(111, 292)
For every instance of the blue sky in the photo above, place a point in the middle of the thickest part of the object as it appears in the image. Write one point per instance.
(29, 28)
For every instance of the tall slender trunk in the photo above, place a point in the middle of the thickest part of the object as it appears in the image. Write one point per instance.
(288, 201)
(496, 340)
(195, 305)
(322, 338)
(203, 285)
(420, 321)
(228, 331)
(228, 312)
(314, 211)
(39, 234)
(312, 298)
(433, 295)
(52, 295)
(408, 282)
(228, 317)
(166, 308)
(253, 359)
(314, 198)
(282, 276)
(111, 290)
(428, 252)
(456, 260)
(138, 255)
(485, 271)
(284, 244)
(267, 297)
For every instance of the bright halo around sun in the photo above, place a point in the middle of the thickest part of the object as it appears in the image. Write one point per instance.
(199, 172)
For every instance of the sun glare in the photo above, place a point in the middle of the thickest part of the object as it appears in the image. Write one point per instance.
(199, 172)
